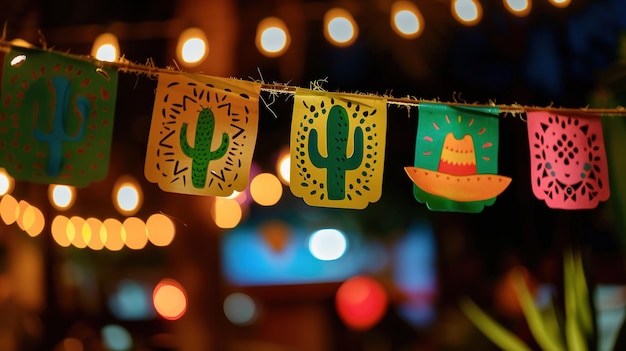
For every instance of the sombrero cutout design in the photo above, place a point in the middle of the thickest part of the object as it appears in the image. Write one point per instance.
(456, 158)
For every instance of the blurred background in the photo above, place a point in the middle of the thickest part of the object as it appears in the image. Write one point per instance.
(261, 270)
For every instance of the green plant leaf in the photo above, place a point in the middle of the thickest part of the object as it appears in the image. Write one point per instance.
(584, 308)
(499, 335)
(573, 332)
(552, 322)
(533, 317)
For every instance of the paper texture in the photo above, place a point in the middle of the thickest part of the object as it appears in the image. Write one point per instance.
(456, 158)
(337, 149)
(202, 134)
(568, 162)
(56, 120)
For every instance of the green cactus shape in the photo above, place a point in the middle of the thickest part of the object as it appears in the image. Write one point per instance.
(337, 162)
(201, 153)
(57, 134)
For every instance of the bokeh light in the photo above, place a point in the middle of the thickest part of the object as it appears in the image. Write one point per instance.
(406, 19)
(116, 338)
(26, 214)
(240, 197)
(111, 234)
(131, 300)
(519, 8)
(226, 213)
(134, 233)
(71, 344)
(283, 165)
(560, 3)
(76, 232)
(127, 196)
(414, 272)
(161, 229)
(327, 244)
(193, 47)
(106, 47)
(467, 12)
(9, 209)
(107, 52)
(266, 189)
(62, 197)
(340, 28)
(6, 182)
(194, 50)
(27, 217)
(21, 210)
(59, 231)
(240, 309)
(170, 300)
(33, 221)
(95, 239)
(361, 302)
(83, 233)
(272, 37)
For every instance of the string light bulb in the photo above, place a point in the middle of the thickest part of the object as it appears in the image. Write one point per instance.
(560, 3)
(467, 12)
(406, 19)
(519, 8)
(62, 197)
(193, 47)
(340, 28)
(106, 47)
(6, 182)
(272, 37)
(127, 196)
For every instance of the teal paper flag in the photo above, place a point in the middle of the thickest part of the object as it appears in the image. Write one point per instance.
(456, 158)
(56, 117)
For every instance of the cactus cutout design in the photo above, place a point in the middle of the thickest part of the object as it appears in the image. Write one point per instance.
(227, 105)
(337, 162)
(337, 149)
(57, 116)
(58, 134)
(201, 153)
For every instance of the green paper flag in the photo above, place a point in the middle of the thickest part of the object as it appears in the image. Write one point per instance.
(456, 158)
(56, 117)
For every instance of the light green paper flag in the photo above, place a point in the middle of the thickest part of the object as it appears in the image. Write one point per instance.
(456, 158)
(56, 117)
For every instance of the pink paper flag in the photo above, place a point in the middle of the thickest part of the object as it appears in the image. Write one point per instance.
(568, 161)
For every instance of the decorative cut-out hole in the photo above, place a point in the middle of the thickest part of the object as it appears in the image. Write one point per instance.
(18, 60)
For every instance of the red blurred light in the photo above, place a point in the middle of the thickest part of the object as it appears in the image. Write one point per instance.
(361, 302)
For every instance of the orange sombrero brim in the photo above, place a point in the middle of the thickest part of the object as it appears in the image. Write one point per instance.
(467, 188)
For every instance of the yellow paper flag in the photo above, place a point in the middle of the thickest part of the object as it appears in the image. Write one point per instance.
(337, 148)
(202, 135)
